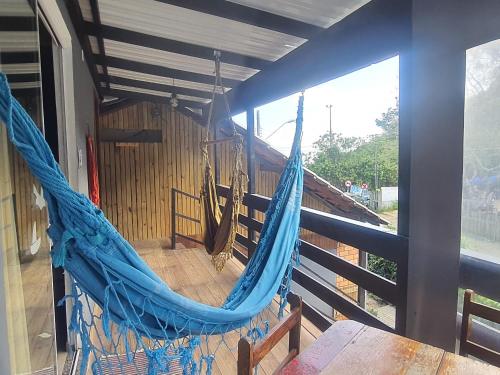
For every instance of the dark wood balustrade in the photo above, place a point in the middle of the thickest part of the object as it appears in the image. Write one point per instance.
(364, 237)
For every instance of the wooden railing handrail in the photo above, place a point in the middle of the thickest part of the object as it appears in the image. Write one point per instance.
(385, 289)
(186, 194)
(362, 236)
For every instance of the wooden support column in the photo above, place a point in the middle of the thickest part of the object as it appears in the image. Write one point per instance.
(251, 165)
(432, 98)
(432, 102)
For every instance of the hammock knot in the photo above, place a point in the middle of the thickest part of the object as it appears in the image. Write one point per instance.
(186, 355)
(255, 334)
(123, 330)
(157, 360)
(105, 318)
(209, 360)
(60, 250)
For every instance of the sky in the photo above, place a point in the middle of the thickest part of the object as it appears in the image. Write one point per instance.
(358, 99)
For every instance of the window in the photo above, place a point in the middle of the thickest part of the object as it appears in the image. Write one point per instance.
(480, 236)
(481, 170)
(24, 246)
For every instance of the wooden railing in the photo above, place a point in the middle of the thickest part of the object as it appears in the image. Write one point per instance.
(364, 237)
(175, 214)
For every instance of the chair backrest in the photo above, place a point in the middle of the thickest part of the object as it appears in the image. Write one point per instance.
(468, 347)
(250, 355)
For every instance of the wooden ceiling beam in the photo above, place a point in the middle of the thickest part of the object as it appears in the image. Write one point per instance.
(24, 23)
(175, 46)
(159, 87)
(96, 15)
(75, 13)
(162, 71)
(250, 16)
(18, 57)
(117, 93)
(27, 77)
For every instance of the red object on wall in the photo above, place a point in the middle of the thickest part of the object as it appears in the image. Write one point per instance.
(92, 172)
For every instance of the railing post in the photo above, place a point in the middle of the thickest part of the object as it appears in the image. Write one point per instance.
(174, 209)
(363, 262)
(251, 167)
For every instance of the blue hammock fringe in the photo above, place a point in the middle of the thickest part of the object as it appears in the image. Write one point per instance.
(137, 310)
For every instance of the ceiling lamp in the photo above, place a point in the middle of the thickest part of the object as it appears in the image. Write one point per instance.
(173, 101)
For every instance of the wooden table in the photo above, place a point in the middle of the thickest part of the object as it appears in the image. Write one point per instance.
(349, 347)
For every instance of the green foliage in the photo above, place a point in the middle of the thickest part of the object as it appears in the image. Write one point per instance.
(382, 267)
(372, 160)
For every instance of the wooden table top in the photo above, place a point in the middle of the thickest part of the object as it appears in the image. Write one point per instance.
(349, 347)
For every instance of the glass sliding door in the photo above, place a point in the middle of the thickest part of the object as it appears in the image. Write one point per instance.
(480, 237)
(26, 284)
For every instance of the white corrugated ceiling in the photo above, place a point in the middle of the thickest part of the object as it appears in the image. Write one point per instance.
(144, 77)
(15, 8)
(323, 13)
(172, 22)
(176, 23)
(174, 60)
(27, 68)
(18, 41)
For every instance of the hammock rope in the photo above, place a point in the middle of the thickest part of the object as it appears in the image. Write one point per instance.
(220, 227)
(123, 313)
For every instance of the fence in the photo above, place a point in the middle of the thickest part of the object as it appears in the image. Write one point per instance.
(481, 220)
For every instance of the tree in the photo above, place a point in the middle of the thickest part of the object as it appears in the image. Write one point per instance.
(372, 160)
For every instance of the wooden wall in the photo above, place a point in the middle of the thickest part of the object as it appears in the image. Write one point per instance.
(136, 181)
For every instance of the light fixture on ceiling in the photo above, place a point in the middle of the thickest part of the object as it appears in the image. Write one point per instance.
(173, 101)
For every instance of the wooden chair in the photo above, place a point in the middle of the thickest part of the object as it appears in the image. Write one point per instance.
(482, 311)
(250, 355)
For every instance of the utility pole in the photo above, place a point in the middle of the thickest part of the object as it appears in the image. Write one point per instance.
(329, 106)
(259, 129)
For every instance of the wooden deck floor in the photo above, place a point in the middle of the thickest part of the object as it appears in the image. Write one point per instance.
(189, 272)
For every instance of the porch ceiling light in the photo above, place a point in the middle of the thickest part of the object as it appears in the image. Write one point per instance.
(173, 101)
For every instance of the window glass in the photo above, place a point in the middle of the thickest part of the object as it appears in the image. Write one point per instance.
(481, 174)
(24, 246)
(480, 236)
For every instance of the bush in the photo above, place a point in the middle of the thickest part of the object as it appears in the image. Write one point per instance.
(382, 267)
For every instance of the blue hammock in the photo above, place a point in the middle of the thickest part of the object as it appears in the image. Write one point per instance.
(152, 319)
